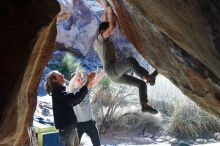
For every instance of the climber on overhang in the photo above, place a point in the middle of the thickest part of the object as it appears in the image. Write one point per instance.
(116, 70)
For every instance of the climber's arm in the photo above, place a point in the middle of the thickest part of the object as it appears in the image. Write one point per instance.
(112, 23)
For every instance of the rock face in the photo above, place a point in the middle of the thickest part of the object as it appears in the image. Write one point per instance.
(180, 39)
(77, 27)
(25, 51)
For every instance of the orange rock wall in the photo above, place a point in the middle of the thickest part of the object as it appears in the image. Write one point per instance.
(180, 39)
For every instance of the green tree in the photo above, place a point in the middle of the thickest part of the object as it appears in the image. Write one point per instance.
(105, 82)
(66, 66)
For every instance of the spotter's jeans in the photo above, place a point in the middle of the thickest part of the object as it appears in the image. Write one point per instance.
(68, 136)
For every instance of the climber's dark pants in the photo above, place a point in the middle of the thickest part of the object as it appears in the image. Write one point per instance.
(116, 72)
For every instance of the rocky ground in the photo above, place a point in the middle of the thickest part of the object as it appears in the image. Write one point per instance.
(120, 139)
(44, 115)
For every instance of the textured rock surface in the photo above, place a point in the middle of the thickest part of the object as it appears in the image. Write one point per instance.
(181, 39)
(76, 31)
(23, 58)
